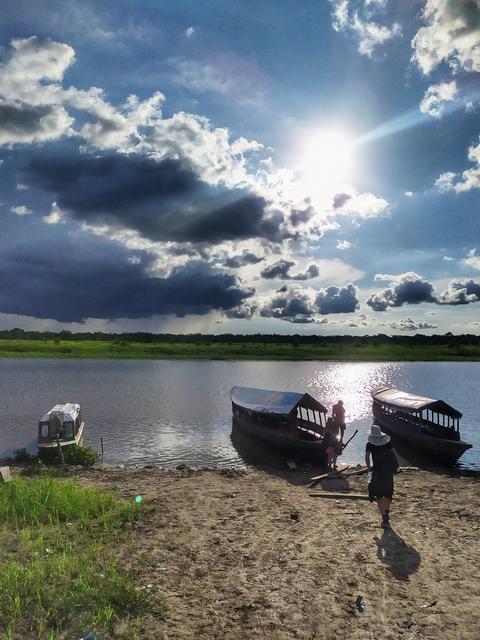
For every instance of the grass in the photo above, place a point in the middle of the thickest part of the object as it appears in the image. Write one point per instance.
(370, 352)
(59, 573)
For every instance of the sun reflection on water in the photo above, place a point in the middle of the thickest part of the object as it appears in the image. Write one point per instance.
(350, 382)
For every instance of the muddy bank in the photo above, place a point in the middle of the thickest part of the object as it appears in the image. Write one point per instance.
(245, 554)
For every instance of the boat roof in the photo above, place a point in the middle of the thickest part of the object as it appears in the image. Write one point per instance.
(69, 411)
(278, 402)
(410, 402)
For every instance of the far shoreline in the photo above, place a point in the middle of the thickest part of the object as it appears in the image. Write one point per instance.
(255, 350)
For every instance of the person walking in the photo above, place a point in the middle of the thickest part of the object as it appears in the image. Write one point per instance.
(382, 463)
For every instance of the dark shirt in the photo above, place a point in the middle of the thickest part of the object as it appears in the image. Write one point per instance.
(385, 461)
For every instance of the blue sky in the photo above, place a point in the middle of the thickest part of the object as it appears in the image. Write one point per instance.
(290, 167)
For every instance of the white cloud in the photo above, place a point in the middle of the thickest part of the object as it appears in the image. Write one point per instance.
(363, 205)
(445, 181)
(189, 31)
(408, 324)
(29, 107)
(408, 194)
(235, 80)
(55, 216)
(22, 210)
(452, 35)
(343, 244)
(470, 179)
(31, 88)
(348, 15)
(36, 59)
(448, 259)
(472, 260)
(436, 96)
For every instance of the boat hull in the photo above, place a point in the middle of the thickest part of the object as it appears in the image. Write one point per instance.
(442, 450)
(313, 451)
(53, 446)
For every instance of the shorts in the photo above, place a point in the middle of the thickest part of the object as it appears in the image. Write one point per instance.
(379, 488)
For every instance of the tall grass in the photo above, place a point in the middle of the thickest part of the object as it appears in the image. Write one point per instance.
(58, 570)
(51, 500)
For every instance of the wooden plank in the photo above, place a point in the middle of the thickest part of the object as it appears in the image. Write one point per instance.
(330, 474)
(5, 474)
(339, 496)
(357, 472)
(324, 475)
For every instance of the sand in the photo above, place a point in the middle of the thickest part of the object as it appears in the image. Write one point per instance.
(247, 554)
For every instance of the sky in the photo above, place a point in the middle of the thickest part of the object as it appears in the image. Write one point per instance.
(240, 167)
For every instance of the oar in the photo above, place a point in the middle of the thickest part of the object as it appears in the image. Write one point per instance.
(351, 438)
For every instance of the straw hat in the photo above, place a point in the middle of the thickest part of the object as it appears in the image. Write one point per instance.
(377, 437)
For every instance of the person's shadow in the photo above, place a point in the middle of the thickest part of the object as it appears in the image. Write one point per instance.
(401, 559)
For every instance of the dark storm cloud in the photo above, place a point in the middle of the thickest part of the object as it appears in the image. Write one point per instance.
(292, 304)
(281, 268)
(312, 272)
(301, 306)
(70, 282)
(337, 300)
(301, 216)
(22, 123)
(244, 312)
(247, 257)
(340, 199)
(162, 200)
(278, 269)
(461, 293)
(21, 120)
(408, 288)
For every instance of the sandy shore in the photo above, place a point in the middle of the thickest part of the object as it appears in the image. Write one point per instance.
(246, 554)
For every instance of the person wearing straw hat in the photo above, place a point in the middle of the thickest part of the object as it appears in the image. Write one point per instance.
(382, 463)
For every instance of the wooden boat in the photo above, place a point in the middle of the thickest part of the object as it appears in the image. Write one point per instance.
(429, 425)
(292, 422)
(63, 421)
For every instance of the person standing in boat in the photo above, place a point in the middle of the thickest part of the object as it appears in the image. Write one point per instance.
(382, 463)
(331, 443)
(338, 414)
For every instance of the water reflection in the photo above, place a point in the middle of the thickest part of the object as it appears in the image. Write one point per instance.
(179, 412)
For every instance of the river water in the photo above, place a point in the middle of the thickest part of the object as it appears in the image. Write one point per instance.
(178, 412)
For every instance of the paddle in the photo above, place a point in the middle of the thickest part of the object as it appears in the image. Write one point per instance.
(351, 438)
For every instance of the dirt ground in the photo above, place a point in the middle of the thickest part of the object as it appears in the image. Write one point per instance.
(247, 554)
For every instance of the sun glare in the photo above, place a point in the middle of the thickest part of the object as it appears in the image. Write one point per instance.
(326, 161)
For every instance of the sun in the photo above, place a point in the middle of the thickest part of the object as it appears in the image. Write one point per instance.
(326, 161)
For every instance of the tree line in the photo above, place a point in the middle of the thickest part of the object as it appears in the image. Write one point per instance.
(234, 338)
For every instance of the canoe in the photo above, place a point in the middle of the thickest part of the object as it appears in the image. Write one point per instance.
(431, 426)
(288, 421)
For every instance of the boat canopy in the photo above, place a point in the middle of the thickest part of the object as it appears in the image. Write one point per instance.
(276, 402)
(411, 403)
(66, 412)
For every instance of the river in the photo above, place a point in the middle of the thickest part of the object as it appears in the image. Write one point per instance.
(178, 412)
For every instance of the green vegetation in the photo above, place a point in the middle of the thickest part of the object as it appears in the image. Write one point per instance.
(23, 457)
(78, 455)
(349, 348)
(74, 454)
(60, 573)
